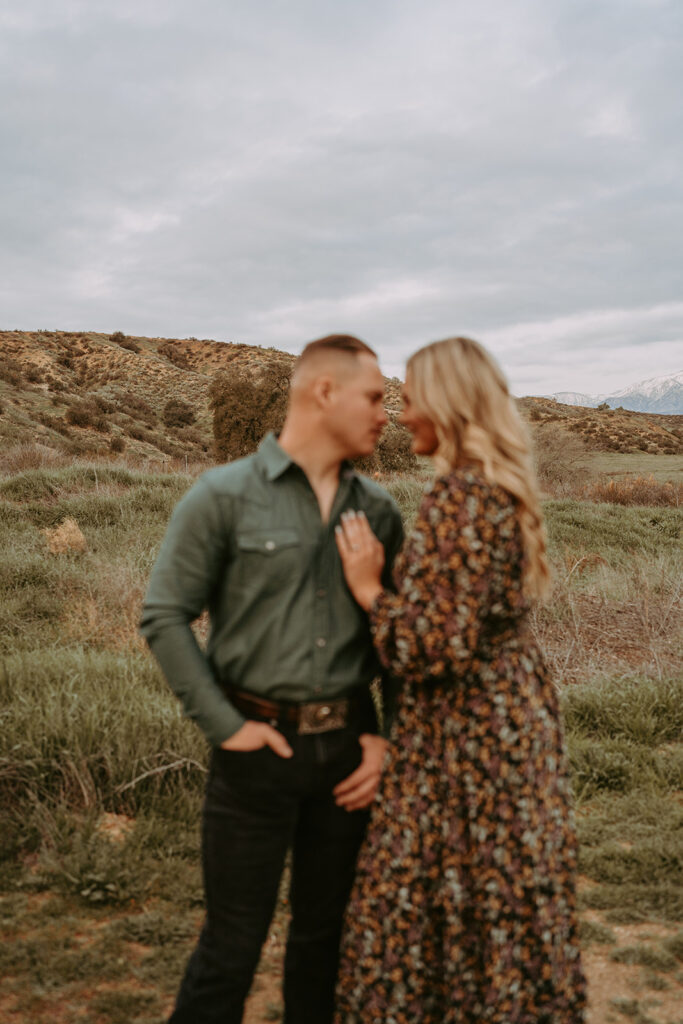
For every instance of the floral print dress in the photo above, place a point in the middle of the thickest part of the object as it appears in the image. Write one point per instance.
(463, 910)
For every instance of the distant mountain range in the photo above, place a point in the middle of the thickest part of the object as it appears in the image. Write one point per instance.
(657, 395)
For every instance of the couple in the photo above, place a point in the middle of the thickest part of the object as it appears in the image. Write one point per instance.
(461, 904)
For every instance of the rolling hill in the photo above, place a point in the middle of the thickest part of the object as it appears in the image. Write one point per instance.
(87, 393)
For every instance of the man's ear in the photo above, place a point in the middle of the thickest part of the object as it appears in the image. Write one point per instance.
(323, 389)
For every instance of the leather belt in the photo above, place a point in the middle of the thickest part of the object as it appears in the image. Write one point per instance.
(308, 717)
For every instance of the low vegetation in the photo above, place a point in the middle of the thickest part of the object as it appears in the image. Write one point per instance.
(101, 777)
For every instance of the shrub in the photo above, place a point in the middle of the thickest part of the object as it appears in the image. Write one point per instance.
(637, 490)
(177, 413)
(175, 354)
(246, 405)
(136, 407)
(393, 454)
(559, 459)
(53, 423)
(101, 423)
(81, 415)
(11, 371)
(103, 404)
(117, 444)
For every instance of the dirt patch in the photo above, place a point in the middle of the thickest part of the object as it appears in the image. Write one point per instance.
(611, 983)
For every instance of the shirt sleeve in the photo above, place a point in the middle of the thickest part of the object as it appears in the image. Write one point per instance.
(431, 626)
(186, 571)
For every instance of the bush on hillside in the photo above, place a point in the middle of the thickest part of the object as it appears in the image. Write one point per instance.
(103, 404)
(11, 371)
(81, 414)
(177, 413)
(247, 404)
(393, 454)
(175, 354)
(120, 339)
(136, 407)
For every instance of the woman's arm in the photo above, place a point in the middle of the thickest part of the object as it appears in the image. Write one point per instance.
(431, 626)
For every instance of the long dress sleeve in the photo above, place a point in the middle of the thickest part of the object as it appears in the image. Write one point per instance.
(448, 579)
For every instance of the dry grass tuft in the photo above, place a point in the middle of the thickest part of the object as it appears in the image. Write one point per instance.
(65, 537)
(115, 827)
(107, 612)
(639, 490)
(31, 455)
(605, 619)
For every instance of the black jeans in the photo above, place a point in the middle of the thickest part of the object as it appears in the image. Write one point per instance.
(257, 806)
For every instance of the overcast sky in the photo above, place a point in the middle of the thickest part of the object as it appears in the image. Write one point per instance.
(268, 171)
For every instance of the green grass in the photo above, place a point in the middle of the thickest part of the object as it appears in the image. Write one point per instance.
(616, 464)
(612, 531)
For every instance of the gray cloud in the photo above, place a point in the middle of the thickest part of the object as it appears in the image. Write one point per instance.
(270, 172)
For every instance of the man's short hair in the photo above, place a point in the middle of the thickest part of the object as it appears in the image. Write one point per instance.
(336, 343)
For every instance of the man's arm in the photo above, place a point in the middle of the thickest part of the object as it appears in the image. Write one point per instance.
(191, 558)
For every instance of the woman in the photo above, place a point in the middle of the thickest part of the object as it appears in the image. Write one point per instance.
(463, 910)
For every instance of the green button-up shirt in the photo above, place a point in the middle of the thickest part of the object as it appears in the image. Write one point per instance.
(247, 542)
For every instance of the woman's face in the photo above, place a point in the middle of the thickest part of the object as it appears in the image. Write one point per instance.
(425, 441)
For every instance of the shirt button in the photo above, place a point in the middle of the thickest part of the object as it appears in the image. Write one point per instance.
(321, 641)
(321, 592)
(270, 544)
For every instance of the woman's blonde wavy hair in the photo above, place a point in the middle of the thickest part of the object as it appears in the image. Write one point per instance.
(460, 388)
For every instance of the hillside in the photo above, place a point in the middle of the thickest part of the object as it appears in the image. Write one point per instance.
(85, 393)
(609, 430)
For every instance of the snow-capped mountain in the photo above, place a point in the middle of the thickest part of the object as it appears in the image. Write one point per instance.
(657, 394)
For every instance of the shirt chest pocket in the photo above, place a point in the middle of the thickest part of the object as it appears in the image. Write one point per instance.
(268, 558)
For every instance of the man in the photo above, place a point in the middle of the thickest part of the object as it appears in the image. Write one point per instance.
(282, 692)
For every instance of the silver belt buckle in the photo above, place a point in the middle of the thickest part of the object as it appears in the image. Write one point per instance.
(321, 717)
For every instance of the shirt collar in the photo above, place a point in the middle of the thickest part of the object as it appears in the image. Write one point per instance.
(273, 458)
(276, 461)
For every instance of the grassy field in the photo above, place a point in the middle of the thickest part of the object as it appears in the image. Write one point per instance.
(620, 464)
(101, 778)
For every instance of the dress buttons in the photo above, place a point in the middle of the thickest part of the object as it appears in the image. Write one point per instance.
(321, 592)
(321, 641)
(270, 545)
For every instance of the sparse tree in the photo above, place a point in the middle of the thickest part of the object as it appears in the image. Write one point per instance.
(560, 460)
(246, 404)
